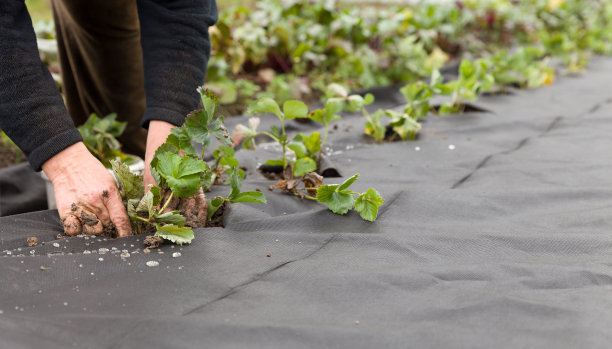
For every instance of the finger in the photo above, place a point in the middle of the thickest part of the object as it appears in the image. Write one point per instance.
(117, 213)
(72, 225)
(89, 221)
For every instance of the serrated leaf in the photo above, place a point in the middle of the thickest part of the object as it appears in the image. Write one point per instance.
(265, 105)
(209, 102)
(295, 109)
(347, 183)
(332, 107)
(235, 184)
(303, 166)
(172, 217)
(188, 166)
(178, 235)
(250, 196)
(185, 186)
(325, 192)
(340, 203)
(146, 204)
(196, 125)
(367, 204)
(130, 185)
(167, 164)
(182, 141)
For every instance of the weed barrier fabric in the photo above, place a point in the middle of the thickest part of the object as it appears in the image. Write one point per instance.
(495, 233)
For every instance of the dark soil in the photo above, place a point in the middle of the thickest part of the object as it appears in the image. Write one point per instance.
(217, 219)
(10, 155)
(153, 241)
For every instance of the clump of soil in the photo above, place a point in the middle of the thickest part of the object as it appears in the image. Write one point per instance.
(32, 241)
(153, 241)
(217, 219)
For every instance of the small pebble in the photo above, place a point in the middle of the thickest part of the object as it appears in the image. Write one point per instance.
(125, 254)
(1, 311)
(152, 263)
(42, 267)
(65, 304)
(417, 148)
(176, 254)
(101, 259)
(451, 147)
(146, 250)
(32, 241)
(55, 244)
(269, 254)
(59, 236)
(356, 322)
(87, 252)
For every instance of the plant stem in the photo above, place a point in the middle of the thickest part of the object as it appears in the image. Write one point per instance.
(283, 144)
(143, 219)
(323, 143)
(167, 202)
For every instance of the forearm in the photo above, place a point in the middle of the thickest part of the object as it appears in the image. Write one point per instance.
(32, 112)
(176, 48)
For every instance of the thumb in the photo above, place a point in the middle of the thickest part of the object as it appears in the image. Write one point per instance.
(118, 214)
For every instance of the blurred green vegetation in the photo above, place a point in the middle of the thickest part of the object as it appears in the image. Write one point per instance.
(40, 10)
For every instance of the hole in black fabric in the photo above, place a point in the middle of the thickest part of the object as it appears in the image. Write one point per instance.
(467, 108)
(274, 172)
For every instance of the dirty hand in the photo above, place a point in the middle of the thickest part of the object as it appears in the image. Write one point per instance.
(194, 208)
(86, 194)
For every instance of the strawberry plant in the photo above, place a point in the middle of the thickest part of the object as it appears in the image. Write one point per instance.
(340, 199)
(473, 79)
(100, 138)
(180, 172)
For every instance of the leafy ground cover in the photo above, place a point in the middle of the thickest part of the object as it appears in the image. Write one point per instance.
(293, 49)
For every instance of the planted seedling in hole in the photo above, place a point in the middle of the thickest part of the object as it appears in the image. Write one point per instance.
(100, 138)
(182, 175)
(473, 79)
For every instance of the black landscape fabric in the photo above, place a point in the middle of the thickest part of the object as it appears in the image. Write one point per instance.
(495, 233)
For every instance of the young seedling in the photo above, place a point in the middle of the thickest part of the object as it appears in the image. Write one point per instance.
(340, 199)
(291, 110)
(180, 172)
(473, 79)
(100, 138)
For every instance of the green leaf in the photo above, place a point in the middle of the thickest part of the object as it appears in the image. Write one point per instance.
(303, 166)
(167, 164)
(332, 107)
(178, 235)
(325, 192)
(156, 191)
(312, 142)
(340, 202)
(185, 186)
(130, 185)
(210, 102)
(173, 217)
(368, 98)
(347, 183)
(367, 204)
(277, 162)
(146, 204)
(196, 125)
(188, 166)
(295, 109)
(182, 141)
(265, 105)
(235, 184)
(213, 206)
(299, 148)
(250, 196)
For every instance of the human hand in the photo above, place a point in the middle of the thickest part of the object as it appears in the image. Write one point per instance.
(86, 194)
(194, 208)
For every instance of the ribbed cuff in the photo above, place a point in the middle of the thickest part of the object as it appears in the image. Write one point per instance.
(171, 116)
(56, 144)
